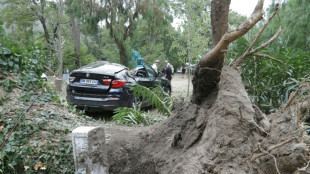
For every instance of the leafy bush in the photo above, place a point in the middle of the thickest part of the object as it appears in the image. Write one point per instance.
(271, 82)
(31, 148)
(156, 97)
(132, 116)
(20, 155)
(14, 58)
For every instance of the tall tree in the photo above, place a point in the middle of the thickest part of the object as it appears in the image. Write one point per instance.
(120, 18)
(26, 13)
(151, 35)
(60, 60)
(75, 12)
(202, 86)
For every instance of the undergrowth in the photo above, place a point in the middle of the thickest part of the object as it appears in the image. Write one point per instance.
(156, 97)
(35, 146)
(25, 153)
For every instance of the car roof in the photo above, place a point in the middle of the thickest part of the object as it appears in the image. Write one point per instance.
(103, 67)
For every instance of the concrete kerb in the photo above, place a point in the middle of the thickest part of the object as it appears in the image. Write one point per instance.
(90, 150)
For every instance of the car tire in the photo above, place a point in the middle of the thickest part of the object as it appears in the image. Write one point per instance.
(167, 89)
(135, 102)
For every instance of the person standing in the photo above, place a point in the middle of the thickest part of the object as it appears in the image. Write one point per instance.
(183, 71)
(155, 66)
(168, 74)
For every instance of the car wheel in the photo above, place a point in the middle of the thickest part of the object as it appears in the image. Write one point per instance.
(135, 102)
(167, 89)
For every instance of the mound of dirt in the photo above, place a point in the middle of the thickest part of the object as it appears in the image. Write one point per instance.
(225, 134)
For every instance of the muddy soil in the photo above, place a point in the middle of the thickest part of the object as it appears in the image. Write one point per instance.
(226, 134)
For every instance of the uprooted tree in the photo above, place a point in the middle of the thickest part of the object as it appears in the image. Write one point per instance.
(221, 130)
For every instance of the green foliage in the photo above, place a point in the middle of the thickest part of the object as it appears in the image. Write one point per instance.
(132, 116)
(8, 84)
(295, 32)
(14, 58)
(271, 82)
(3, 98)
(20, 155)
(156, 97)
(69, 55)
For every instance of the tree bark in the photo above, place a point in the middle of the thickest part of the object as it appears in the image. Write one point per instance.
(76, 38)
(208, 71)
(41, 17)
(60, 62)
(219, 17)
(122, 53)
(205, 81)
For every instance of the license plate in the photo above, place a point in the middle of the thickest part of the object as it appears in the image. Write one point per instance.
(89, 81)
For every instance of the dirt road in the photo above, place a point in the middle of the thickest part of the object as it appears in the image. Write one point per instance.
(180, 86)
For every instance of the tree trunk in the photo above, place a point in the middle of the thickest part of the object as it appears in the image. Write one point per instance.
(206, 77)
(76, 38)
(122, 53)
(46, 33)
(60, 62)
(225, 133)
(77, 41)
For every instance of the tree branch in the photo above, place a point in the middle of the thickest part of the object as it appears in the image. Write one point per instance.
(238, 62)
(234, 34)
(268, 57)
(266, 43)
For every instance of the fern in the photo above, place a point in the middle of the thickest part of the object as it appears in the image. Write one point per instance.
(132, 116)
(155, 96)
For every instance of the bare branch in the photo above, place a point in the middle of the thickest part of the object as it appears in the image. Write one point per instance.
(294, 94)
(231, 36)
(305, 168)
(271, 148)
(261, 30)
(238, 62)
(266, 43)
(268, 57)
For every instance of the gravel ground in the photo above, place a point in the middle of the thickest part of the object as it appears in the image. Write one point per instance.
(180, 86)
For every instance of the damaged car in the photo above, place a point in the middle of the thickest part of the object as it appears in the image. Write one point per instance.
(105, 86)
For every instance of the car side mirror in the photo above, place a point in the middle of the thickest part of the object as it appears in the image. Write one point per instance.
(160, 74)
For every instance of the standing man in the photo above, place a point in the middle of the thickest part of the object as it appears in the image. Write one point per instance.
(183, 71)
(155, 66)
(168, 74)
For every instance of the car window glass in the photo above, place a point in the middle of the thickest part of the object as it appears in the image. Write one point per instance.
(150, 71)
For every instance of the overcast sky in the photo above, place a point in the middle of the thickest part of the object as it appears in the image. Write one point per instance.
(246, 7)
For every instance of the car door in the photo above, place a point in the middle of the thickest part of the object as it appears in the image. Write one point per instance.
(152, 75)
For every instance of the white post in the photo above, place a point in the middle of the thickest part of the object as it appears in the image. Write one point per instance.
(90, 150)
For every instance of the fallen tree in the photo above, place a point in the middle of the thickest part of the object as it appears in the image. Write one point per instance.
(221, 130)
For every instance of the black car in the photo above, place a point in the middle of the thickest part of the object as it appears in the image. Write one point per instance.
(106, 86)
